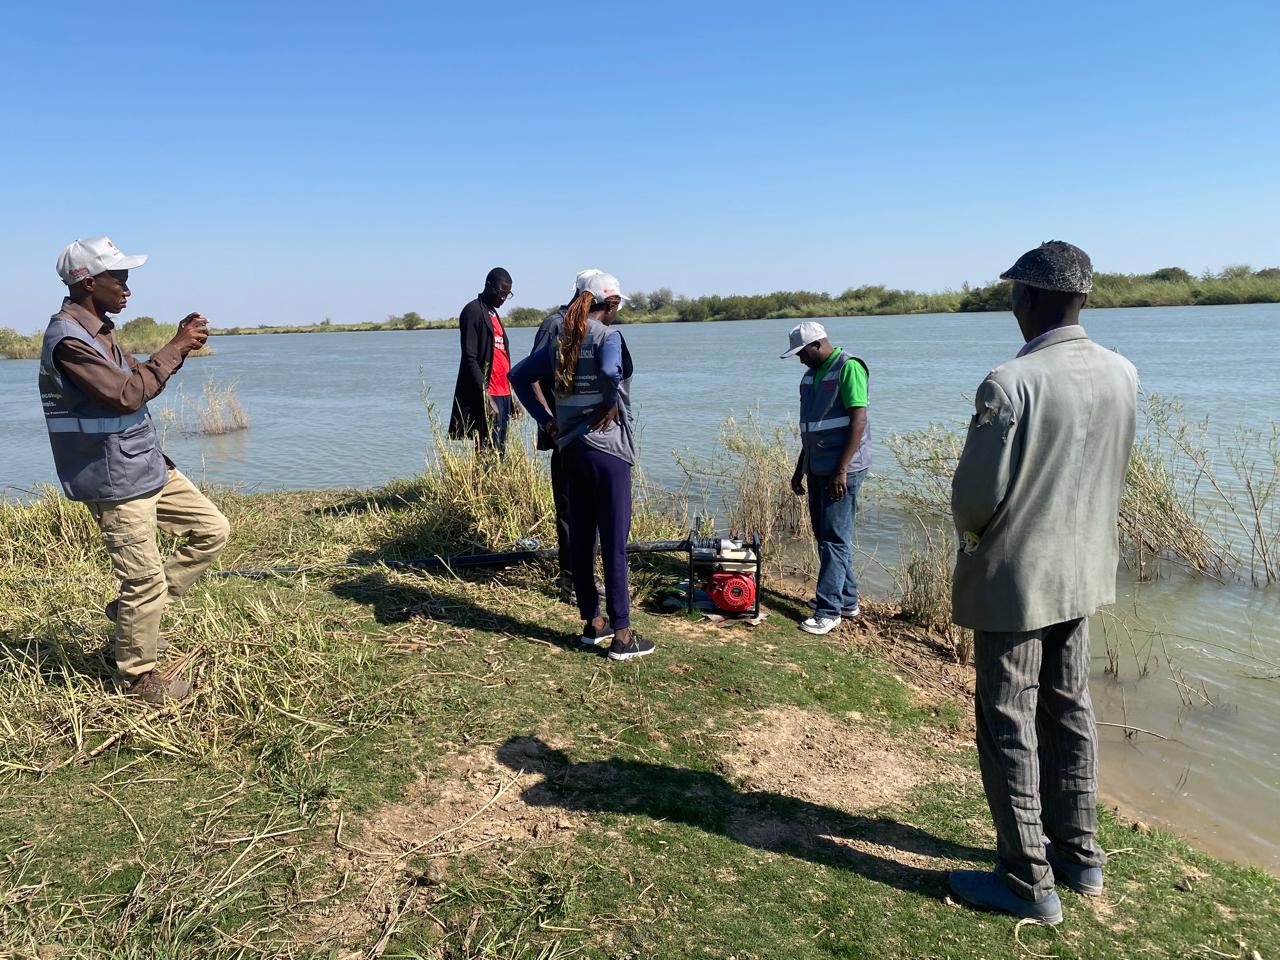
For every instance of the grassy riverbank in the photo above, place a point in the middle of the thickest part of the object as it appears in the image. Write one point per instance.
(141, 335)
(384, 763)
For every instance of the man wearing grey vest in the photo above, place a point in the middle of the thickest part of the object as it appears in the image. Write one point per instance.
(835, 453)
(1035, 499)
(108, 456)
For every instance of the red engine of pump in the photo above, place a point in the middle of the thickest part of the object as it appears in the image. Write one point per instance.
(732, 592)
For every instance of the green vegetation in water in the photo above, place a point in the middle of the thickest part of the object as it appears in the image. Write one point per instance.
(398, 764)
(141, 335)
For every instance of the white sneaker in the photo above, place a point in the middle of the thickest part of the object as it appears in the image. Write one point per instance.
(820, 625)
(853, 611)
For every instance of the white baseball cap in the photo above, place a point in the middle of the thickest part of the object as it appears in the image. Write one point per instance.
(804, 334)
(88, 258)
(601, 285)
(580, 281)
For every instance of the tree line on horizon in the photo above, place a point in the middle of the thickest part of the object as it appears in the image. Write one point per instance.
(1166, 287)
(139, 335)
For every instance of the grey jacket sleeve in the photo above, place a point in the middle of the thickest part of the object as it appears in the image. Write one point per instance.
(987, 464)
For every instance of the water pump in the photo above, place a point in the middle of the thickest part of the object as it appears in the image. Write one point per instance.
(728, 572)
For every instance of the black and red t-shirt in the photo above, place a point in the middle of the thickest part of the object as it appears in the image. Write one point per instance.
(499, 385)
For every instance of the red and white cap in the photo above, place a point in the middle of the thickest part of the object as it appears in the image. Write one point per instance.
(601, 285)
(88, 258)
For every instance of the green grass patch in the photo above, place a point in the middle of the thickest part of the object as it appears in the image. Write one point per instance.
(501, 791)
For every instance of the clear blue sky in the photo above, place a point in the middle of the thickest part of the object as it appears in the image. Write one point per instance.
(283, 162)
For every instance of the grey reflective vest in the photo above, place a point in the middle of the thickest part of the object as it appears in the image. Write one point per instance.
(824, 422)
(100, 454)
(577, 412)
(548, 332)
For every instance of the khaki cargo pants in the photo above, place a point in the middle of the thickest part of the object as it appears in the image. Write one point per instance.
(146, 581)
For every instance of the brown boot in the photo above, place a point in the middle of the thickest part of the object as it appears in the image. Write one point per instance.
(156, 690)
(112, 610)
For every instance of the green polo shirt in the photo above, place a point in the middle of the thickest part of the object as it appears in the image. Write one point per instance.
(853, 380)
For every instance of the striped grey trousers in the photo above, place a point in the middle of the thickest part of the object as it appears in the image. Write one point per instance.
(1038, 750)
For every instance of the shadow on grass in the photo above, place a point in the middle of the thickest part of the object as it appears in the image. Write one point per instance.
(397, 602)
(785, 604)
(364, 503)
(878, 848)
(54, 659)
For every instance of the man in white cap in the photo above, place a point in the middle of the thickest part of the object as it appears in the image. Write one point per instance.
(108, 456)
(835, 454)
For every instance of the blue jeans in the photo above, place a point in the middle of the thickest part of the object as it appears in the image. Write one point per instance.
(833, 528)
(498, 423)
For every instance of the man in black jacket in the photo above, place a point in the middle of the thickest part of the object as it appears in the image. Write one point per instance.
(482, 396)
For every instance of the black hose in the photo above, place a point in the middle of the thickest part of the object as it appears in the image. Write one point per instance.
(446, 563)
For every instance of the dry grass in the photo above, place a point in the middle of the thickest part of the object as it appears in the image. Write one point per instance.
(923, 588)
(1207, 504)
(927, 461)
(749, 477)
(222, 411)
(1156, 519)
(467, 504)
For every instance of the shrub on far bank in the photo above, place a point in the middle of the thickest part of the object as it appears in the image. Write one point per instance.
(19, 346)
(1166, 287)
(141, 335)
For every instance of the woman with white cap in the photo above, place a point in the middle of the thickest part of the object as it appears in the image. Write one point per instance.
(544, 393)
(590, 367)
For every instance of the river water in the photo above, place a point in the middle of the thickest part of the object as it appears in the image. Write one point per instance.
(343, 410)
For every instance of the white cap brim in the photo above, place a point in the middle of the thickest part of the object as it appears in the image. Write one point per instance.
(128, 263)
(793, 352)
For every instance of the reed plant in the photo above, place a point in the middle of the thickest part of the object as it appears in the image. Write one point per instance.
(748, 476)
(1157, 518)
(926, 461)
(221, 411)
(1227, 485)
(922, 581)
(1209, 504)
(465, 502)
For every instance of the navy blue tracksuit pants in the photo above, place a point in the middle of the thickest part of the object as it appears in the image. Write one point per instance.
(599, 504)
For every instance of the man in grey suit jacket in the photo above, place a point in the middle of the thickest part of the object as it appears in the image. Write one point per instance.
(1035, 498)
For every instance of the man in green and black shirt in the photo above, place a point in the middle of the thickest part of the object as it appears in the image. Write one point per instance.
(835, 453)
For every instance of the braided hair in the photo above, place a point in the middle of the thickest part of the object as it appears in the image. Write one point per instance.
(575, 328)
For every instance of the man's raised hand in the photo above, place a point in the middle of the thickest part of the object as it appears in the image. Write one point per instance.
(193, 332)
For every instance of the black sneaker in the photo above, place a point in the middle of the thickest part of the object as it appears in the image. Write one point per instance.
(593, 637)
(634, 646)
